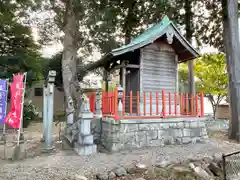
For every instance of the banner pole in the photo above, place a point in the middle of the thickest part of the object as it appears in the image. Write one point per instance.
(4, 125)
(21, 119)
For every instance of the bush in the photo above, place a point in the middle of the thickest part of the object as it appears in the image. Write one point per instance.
(30, 113)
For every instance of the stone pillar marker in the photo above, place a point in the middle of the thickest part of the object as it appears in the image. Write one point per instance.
(85, 145)
(45, 110)
(98, 104)
(48, 145)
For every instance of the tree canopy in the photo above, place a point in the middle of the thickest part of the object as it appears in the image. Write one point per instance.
(85, 25)
(211, 73)
(18, 50)
(211, 77)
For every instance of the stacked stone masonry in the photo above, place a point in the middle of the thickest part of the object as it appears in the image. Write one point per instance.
(137, 133)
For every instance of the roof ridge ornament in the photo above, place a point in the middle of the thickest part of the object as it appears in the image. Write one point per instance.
(165, 19)
(170, 34)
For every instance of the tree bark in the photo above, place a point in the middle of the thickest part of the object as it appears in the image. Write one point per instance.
(189, 34)
(129, 20)
(128, 29)
(69, 56)
(231, 44)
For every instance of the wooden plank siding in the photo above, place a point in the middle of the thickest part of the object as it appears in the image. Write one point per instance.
(158, 70)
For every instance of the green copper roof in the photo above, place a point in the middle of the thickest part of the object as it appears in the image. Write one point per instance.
(148, 34)
(152, 34)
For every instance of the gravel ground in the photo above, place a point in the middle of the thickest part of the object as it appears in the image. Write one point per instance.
(64, 164)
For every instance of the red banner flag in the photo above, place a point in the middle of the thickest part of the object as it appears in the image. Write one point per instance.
(13, 117)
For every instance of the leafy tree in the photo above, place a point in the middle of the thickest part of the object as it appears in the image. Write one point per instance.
(18, 50)
(117, 22)
(109, 17)
(54, 63)
(183, 77)
(211, 77)
(88, 24)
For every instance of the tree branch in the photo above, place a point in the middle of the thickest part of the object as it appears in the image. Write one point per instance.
(220, 98)
(92, 66)
(8, 68)
(211, 99)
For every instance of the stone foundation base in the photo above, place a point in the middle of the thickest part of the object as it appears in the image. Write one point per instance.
(83, 150)
(137, 133)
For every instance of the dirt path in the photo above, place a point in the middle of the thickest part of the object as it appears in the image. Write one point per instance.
(32, 136)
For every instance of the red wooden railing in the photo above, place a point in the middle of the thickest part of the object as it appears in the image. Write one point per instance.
(92, 100)
(149, 104)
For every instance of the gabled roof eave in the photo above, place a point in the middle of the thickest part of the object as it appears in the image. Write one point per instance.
(166, 26)
(185, 43)
(116, 52)
(181, 39)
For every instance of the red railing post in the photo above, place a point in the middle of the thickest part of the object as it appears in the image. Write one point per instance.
(202, 103)
(110, 101)
(186, 103)
(138, 106)
(192, 104)
(113, 109)
(102, 101)
(144, 103)
(92, 100)
(170, 103)
(150, 103)
(123, 103)
(130, 102)
(196, 104)
(175, 103)
(163, 103)
(157, 111)
(182, 103)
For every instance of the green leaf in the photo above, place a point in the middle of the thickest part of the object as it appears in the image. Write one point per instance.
(210, 73)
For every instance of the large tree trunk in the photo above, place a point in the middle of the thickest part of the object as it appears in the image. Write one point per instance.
(130, 20)
(69, 58)
(230, 60)
(189, 34)
(128, 29)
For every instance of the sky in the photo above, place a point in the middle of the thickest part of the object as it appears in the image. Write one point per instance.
(50, 50)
